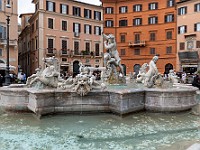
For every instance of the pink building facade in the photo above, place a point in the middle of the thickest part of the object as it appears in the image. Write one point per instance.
(13, 34)
(68, 30)
(24, 44)
(188, 37)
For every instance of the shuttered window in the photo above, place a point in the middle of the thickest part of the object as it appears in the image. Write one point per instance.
(50, 6)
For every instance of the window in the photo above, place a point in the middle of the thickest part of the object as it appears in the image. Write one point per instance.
(64, 59)
(97, 49)
(36, 6)
(153, 6)
(197, 27)
(123, 38)
(50, 6)
(50, 23)
(76, 11)
(152, 36)
(50, 45)
(76, 47)
(32, 28)
(137, 8)
(123, 52)
(64, 25)
(170, 3)
(153, 20)
(182, 10)
(1, 52)
(169, 18)
(0, 5)
(97, 30)
(97, 15)
(136, 51)
(76, 27)
(87, 48)
(197, 44)
(36, 44)
(64, 9)
(169, 35)
(169, 49)
(109, 23)
(123, 23)
(137, 38)
(109, 10)
(2, 32)
(123, 9)
(137, 21)
(87, 29)
(197, 7)
(182, 46)
(182, 29)
(152, 51)
(64, 46)
(87, 13)
(37, 25)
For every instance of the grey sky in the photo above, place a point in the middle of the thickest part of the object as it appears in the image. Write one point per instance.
(25, 6)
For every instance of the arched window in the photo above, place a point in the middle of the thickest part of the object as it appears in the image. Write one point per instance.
(136, 68)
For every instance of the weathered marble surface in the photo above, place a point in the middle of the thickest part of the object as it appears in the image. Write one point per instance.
(120, 101)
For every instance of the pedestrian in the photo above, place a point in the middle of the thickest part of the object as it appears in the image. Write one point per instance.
(1, 80)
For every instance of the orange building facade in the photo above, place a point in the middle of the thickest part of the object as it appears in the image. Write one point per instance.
(68, 30)
(11, 11)
(143, 29)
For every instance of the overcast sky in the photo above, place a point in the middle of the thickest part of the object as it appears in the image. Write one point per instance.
(25, 6)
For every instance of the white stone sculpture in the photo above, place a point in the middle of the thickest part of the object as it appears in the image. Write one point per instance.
(152, 77)
(172, 77)
(141, 74)
(83, 83)
(112, 61)
(49, 77)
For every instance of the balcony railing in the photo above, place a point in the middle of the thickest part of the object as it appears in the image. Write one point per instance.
(51, 51)
(136, 43)
(11, 42)
(64, 52)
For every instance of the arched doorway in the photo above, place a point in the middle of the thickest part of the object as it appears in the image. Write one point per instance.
(136, 68)
(124, 68)
(75, 68)
(168, 67)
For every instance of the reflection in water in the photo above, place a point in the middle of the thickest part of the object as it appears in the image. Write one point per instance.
(138, 131)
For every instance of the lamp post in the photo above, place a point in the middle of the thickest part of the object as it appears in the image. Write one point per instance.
(7, 76)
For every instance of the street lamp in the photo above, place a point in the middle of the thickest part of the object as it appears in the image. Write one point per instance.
(7, 76)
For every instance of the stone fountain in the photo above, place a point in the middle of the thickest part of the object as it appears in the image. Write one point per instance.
(46, 92)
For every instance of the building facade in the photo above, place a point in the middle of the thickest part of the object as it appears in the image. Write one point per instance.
(13, 34)
(68, 30)
(188, 38)
(24, 44)
(143, 29)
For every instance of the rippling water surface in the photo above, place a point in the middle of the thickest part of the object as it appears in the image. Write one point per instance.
(141, 131)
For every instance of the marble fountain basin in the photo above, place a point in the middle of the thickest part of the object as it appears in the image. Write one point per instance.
(121, 100)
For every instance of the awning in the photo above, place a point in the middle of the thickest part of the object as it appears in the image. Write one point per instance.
(188, 55)
(185, 66)
(3, 67)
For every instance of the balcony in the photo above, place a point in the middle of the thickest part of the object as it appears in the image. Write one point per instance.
(64, 52)
(136, 44)
(51, 51)
(11, 42)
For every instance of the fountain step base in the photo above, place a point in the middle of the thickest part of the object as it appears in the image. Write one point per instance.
(122, 102)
